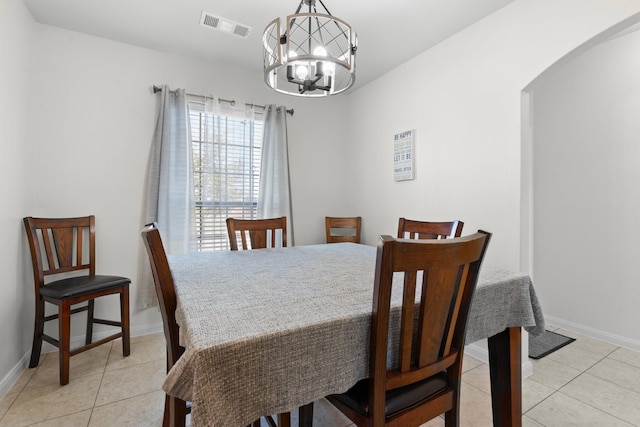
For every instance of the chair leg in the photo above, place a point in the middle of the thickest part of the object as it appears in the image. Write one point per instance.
(166, 419)
(305, 415)
(177, 411)
(64, 340)
(124, 318)
(452, 418)
(89, 336)
(38, 329)
(284, 420)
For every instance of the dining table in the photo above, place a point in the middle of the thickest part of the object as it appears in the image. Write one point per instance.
(271, 330)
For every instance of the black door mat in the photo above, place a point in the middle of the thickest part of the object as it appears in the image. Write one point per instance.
(546, 343)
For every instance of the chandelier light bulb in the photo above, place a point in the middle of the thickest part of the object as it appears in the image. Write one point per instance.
(302, 72)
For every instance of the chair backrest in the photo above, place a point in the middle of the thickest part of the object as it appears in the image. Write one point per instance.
(261, 232)
(163, 280)
(60, 245)
(410, 229)
(446, 271)
(349, 229)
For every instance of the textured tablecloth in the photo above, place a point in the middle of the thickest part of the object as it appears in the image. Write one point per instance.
(267, 331)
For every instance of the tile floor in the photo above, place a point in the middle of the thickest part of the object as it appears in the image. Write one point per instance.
(587, 383)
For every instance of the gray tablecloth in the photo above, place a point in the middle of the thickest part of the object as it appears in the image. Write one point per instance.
(267, 331)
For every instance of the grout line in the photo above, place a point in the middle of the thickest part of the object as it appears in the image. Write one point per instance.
(622, 361)
(558, 390)
(594, 407)
(57, 418)
(96, 398)
(603, 379)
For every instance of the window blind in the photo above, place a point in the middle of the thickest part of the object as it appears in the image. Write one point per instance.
(226, 172)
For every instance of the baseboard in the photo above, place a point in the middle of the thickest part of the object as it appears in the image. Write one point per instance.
(593, 333)
(479, 351)
(14, 374)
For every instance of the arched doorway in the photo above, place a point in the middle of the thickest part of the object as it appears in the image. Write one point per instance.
(580, 203)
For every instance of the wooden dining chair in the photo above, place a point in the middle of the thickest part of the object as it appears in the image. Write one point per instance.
(257, 233)
(425, 380)
(175, 409)
(342, 229)
(60, 248)
(410, 229)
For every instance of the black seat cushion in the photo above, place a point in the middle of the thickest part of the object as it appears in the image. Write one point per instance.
(397, 400)
(81, 285)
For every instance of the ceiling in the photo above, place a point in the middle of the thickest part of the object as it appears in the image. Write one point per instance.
(389, 32)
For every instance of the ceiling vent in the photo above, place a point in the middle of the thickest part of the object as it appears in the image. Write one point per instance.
(225, 25)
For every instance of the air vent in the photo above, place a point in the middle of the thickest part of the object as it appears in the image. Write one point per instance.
(210, 20)
(215, 22)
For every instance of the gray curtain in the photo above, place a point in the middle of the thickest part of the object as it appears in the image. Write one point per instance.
(169, 198)
(274, 198)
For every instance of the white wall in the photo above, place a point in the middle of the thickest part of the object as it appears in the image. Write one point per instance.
(586, 124)
(16, 183)
(96, 117)
(463, 99)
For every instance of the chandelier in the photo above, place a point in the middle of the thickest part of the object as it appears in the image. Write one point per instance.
(314, 57)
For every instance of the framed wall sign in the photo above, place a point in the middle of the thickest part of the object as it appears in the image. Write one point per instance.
(403, 155)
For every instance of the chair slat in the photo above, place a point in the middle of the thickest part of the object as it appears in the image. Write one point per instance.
(48, 250)
(434, 308)
(244, 239)
(79, 246)
(258, 239)
(407, 321)
(63, 241)
(455, 309)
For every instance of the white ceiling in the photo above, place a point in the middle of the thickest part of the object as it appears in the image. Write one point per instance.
(389, 32)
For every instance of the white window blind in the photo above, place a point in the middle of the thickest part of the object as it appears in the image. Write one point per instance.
(226, 172)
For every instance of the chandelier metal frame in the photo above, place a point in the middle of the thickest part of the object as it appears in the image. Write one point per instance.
(314, 57)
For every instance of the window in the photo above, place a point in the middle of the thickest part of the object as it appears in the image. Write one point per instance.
(226, 172)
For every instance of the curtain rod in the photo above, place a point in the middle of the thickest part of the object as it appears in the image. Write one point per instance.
(157, 89)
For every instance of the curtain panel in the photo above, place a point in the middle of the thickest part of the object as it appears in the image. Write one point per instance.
(274, 198)
(169, 198)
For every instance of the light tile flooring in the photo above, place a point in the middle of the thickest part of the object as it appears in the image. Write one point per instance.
(587, 383)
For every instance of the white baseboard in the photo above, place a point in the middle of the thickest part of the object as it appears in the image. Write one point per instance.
(593, 333)
(479, 351)
(12, 377)
(14, 374)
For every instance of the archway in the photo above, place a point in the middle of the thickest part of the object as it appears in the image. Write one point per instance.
(575, 148)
